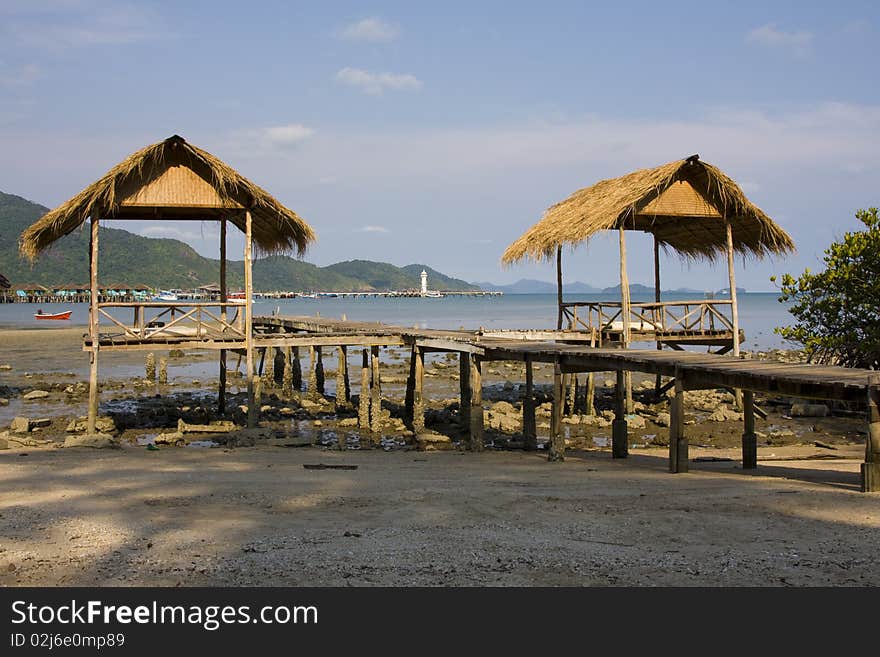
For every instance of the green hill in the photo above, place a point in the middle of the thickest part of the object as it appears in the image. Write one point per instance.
(128, 259)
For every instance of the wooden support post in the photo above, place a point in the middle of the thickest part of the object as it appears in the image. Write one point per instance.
(150, 367)
(619, 431)
(734, 308)
(312, 389)
(221, 390)
(570, 394)
(319, 370)
(658, 381)
(557, 440)
(341, 378)
(287, 376)
(375, 392)
(530, 432)
(269, 369)
(476, 398)
(625, 314)
(559, 287)
(418, 408)
(464, 384)
(678, 444)
(162, 377)
(296, 373)
(409, 395)
(93, 325)
(253, 411)
(364, 397)
(749, 438)
(590, 395)
(871, 466)
(628, 387)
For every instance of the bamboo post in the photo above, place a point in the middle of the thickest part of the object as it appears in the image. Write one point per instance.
(341, 378)
(364, 397)
(658, 381)
(678, 443)
(530, 433)
(476, 399)
(871, 466)
(418, 408)
(319, 370)
(464, 384)
(375, 392)
(93, 324)
(252, 414)
(559, 287)
(625, 314)
(734, 308)
(749, 438)
(221, 391)
(557, 440)
(619, 435)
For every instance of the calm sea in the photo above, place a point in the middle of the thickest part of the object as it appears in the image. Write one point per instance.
(760, 312)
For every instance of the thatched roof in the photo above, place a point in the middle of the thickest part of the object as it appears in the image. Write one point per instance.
(174, 180)
(683, 203)
(4, 283)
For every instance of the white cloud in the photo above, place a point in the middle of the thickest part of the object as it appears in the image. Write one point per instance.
(372, 229)
(287, 135)
(376, 83)
(797, 41)
(374, 30)
(63, 25)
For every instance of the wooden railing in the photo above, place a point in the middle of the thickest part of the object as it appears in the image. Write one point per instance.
(656, 316)
(169, 319)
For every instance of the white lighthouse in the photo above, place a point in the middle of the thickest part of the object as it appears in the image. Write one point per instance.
(424, 282)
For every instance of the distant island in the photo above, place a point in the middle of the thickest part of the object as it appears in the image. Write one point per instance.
(129, 259)
(533, 286)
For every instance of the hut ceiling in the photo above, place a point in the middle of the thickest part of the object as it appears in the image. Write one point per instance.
(171, 181)
(685, 204)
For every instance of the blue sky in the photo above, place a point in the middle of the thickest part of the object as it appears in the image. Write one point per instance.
(438, 133)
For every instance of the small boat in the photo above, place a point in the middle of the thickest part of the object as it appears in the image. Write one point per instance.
(42, 315)
(165, 295)
(432, 294)
(236, 297)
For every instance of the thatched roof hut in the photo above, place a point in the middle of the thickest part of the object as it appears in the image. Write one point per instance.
(172, 181)
(685, 204)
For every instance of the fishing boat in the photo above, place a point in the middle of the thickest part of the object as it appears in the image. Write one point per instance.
(432, 294)
(41, 315)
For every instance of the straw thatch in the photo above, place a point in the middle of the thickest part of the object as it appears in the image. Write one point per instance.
(638, 201)
(276, 229)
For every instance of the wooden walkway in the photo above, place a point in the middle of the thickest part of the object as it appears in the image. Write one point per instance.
(570, 352)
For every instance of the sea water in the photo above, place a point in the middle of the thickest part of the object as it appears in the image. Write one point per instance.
(759, 312)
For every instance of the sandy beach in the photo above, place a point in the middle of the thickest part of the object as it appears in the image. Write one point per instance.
(254, 515)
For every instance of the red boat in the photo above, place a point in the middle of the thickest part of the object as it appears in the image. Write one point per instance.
(42, 315)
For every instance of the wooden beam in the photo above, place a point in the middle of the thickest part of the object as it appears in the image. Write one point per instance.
(476, 399)
(319, 370)
(749, 437)
(734, 308)
(657, 381)
(871, 466)
(93, 325)
(619, 432)
(312, 388)
(409, 396)
(530, 433)
(557, 440)
(253, 411)
(221, 390)
(342, 400)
